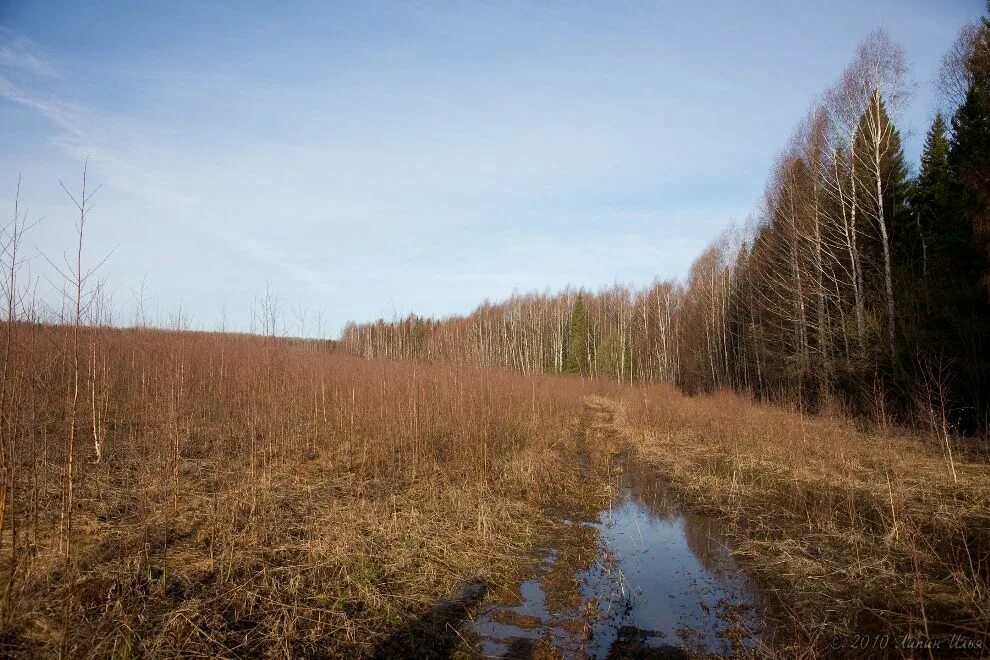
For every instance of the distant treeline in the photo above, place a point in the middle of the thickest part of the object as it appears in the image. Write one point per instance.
(853, 282)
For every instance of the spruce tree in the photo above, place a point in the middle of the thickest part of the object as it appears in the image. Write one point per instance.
(931, 193)
(576, 356)
(939, 230)
(965, 314)
(969, 153)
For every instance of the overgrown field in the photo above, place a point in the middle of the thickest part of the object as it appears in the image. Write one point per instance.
(858, 529)
(244, 496)
(231, 495)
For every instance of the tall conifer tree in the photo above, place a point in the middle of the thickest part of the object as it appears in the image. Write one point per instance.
(576, 358)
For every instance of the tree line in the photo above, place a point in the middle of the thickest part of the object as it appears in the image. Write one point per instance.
(853, 282)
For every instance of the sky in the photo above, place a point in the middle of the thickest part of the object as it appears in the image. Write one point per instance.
(364, 160)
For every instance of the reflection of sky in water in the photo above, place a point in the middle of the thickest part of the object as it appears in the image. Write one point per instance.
(657, 570)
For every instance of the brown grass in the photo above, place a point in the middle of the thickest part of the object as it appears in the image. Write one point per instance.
(262, 497)
(857, 530)
(258, 498)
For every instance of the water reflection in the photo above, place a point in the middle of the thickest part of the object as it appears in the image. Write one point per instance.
(662, 578)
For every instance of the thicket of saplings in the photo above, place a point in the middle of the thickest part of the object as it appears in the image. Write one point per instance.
(175, 492)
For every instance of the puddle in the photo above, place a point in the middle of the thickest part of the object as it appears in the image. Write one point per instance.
(650, 578)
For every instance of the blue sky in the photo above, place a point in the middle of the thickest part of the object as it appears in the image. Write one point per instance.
(369, 159)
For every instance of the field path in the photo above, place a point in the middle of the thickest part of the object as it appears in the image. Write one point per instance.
(601, 430)
(639, 578)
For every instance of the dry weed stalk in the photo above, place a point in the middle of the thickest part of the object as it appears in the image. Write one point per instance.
(856, 529)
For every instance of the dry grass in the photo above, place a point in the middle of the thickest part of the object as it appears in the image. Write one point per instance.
(857, 530)
(259, 498)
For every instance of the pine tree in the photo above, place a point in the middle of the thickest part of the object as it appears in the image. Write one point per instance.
(576, 356)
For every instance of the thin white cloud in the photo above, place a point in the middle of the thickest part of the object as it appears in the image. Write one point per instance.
(21, 54)
(266, 254)
(83, 135)
(64, 115)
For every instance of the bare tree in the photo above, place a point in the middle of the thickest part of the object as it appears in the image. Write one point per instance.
(955, 75)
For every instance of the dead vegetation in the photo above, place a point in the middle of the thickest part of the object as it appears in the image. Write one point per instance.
(255, 497)
(251, 497)
(857, 530)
